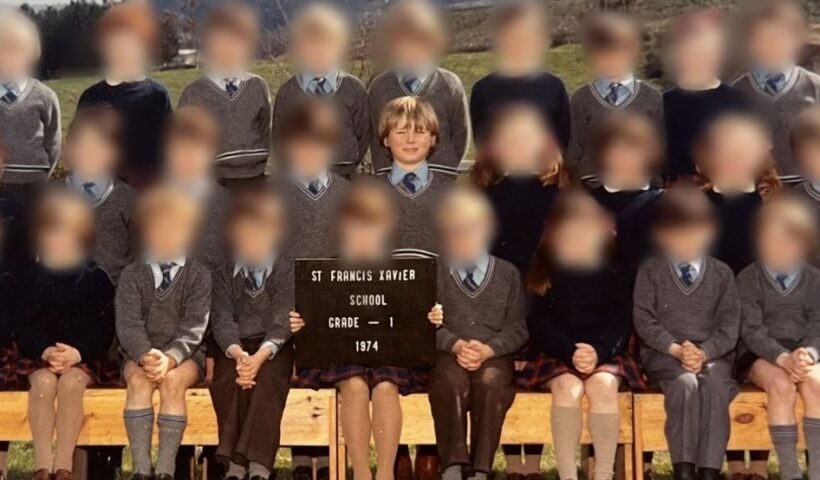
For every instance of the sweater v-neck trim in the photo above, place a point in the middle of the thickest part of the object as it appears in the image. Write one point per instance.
(23, 96)
(161, 295)
(811, 191)
(222, 91)
(320, 194)
(422, 88)
(107, 193)
(339, 80)
(409, 195)
(786, 89)
(776, 286)
(626, 103)
(483, 286)
(690, 289)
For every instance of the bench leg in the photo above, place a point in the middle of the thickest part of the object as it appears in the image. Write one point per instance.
(628, 461)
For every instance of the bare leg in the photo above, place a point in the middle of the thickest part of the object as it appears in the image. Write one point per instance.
(387, 420)
(70, 389)
(781, 395)
(41, 416)
(173, 418)
(567, 391)
(356, 426)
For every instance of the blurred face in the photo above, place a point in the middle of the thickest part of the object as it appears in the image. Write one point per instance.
(466, 231)
(61, 245)
(697, 58)
(625, 164)
(189, 161)
(521, 45)
(227, 53)
(614, 64)
(124, 55)
(363, 241)
(521, 143)
(775, 44)
(778, 248)
(411, 54)
(255, 240)
(809, 156)
(309, 158)
(90, 154)
(410, 145)
(735, 156)
(167, 235)
(582, 241)
(15, 60)
(319, 54)
(686, 244)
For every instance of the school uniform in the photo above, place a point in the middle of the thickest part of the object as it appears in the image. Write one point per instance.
(811, 193)
(698, 302)
(633, 212)
(521, 204)
(8, 350)
(592, 103)
(242, 107)
(311, 206)
(164, 305)
(483, 302)
(736, 219)
(445, 93)
(30, 129)
(779, 97)
(345, 92)
(542, 90)
(582, 306)
(417, 193)
(687, 115)
(214, 200)
(144, 107)
(250, 309)
(73, 306)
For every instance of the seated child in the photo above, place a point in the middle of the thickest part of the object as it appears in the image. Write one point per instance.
(483, 329)
(238, 99)
(64, 325)
(366, 224)
(319, 43)
(92, 153)
(29, 110)
(521, 169)
(252, 295)
(779, 89)
(127, 35)
(162, 306)
(580, 321)
(410, 130)
(780, 332)
(627, 155)
(520, 38)
(612, 42)
(697, 50)
(414, 39)
(687, 315)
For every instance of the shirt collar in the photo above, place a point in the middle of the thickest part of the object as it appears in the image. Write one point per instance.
(482, 264)
(610, 189)
(240, 265)
(762, 74)
(603, 84)
(179, 261)
(397, 173)
(324, 180)
(78, 183)
(747, 189)
(697, 265)
(421, 73)
(791, 275)
(220, 79)
(332, 78)
(21, 85)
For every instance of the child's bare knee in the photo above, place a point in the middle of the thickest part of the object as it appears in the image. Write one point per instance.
(602, 387)
(173, 385)
(567, 387)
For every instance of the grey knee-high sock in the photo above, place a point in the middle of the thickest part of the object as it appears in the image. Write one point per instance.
(784, 439)
(604, 428)
(566, 433)
(453, 472)
(139, 426)
(236, 470)
(171, 428)
(811, 428)
(258, 470)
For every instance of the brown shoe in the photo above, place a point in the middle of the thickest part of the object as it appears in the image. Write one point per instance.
(63, 474)
(427, 464)
(42, 474)
(742, 476)
(403, 469)
(533, 476)
(754, 476)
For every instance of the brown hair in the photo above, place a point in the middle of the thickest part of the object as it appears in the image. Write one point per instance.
(689, 24)
(166, 201)
(683, 205)
(193, 124)
(103, 119)
(417, 20)
(235, 18)
(257, 203)
(806, 130)
(796, 214)
(133, 16)
(509, 12)
(570, 204)
(630, 128)
(767, 181)
(50, 213)
(485, 171)
(408, 111)
(791, 12)
(311, 119)
(607, 31)
(370, 202)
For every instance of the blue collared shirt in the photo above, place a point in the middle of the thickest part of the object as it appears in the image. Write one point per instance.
(309, 81)
(481, 265)
(93, 193)
(422, 173)
(19, 85)
(761, 77)
(413, 79)
(625, 91)
(323, 178)
(788, 277)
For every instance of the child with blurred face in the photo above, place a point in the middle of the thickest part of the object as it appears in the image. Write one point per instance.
(806, 145)
(780, 336)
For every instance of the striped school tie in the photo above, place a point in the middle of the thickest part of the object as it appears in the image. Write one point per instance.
(12, 93)
(88, 190)
(783, 281)
(686, 274)
(411, 83)
(231, 87)
(320, 87)
(315, 187)
(165, 269)
(775, 83)
(254, 277)
(468, 281)
(409, 182)
(614, 93)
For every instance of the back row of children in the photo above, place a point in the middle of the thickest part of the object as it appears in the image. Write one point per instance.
(523, 120)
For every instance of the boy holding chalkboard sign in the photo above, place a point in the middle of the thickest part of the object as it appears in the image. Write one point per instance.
(483, 330)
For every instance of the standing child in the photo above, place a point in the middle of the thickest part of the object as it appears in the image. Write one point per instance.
(780, 330)
(805, 143)
(415, 38)
(319, 42)
(162, 307)
(127, 36)
(92, 153)
(520, 35)
(238, 99)
(776, 33)
(733, 157)
(63, 324)
(483, 330)
(29, 110)
(410, 130)
(580, 321)
(612, 42)
(253, 293)
(697, 45)
(687, 315)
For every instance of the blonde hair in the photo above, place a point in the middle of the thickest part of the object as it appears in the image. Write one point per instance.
(322, 20)
(793, 214)
(463, 200)
(418, 20)
(166, 201)
(17, 27)
(408, 111)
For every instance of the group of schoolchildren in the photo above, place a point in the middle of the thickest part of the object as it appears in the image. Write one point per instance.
(615, 238)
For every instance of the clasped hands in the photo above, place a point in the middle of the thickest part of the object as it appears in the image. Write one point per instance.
(156, 364)
(60, 357)
(471, 354)
(691, 356)
(797, 364)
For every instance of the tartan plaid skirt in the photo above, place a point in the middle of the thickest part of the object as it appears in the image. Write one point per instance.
(408, 380)
(8, 369)
(104, 373)
(540, 369)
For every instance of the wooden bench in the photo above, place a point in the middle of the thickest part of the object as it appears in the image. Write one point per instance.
(527, 422)
(747, 412)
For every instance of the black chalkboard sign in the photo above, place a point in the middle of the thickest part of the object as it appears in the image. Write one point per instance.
(365, 315)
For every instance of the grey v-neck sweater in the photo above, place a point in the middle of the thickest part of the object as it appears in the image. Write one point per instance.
(312, 219)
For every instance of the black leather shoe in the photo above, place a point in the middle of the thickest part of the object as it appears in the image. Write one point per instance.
(141, 476)
(323, 473)
(684, 471)
(303, 473)
(163, 476)
(709, 474)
